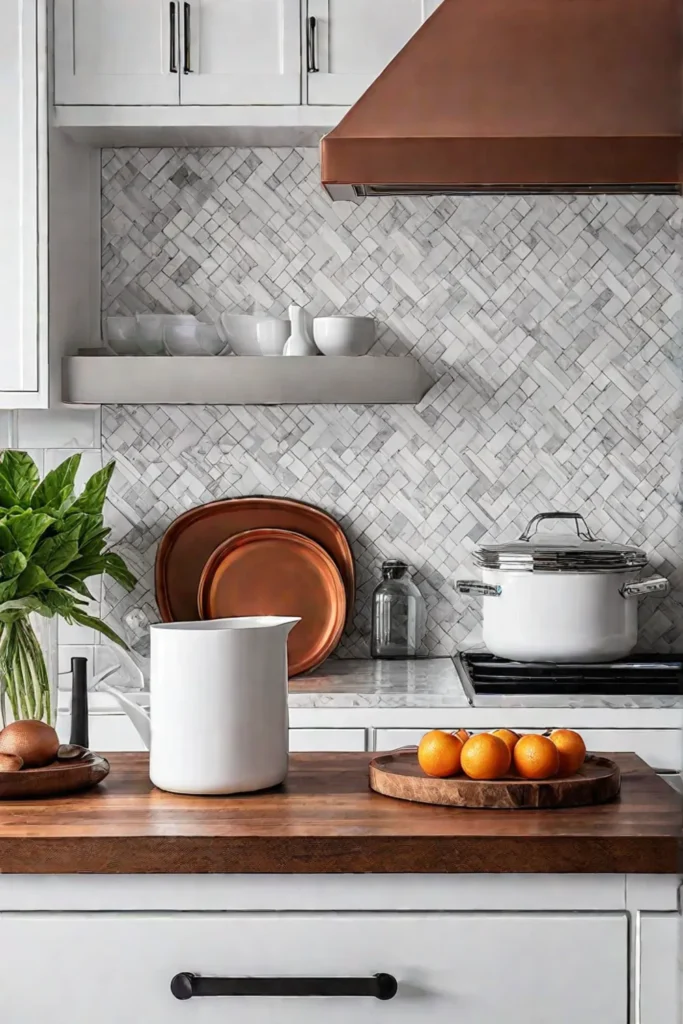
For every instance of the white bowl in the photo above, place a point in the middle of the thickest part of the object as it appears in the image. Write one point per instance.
(121, 335)
(194, 339)
(151, 329)
(238, 330)
(344, 335)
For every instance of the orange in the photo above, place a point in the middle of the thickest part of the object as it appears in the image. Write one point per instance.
(462, 735)
(536, 757)
(571, 748)
(485, 757)
(508, 737)
(439, 754)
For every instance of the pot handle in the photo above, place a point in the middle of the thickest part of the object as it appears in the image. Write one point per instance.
(581, 525)
(643, 588)
(475, 587)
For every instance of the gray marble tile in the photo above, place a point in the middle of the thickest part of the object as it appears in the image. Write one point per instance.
(550, 323)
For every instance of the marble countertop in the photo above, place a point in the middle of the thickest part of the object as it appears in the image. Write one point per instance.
(428, 683)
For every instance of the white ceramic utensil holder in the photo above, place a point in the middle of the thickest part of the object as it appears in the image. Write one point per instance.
(219, 704)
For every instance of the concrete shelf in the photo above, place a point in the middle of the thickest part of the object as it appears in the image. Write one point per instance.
(243, 380)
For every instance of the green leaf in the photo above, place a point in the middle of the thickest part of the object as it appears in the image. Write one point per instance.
(54, 553)
(7, 541)
(57, 487)
(27, 528)
(83, 619)
(69, 582)
(12, 565)
(34, 579)
(20, 475)
(61, 603)
(8, 590)
(95, 491)
(94, 530)
(12, 610)
(115, 567)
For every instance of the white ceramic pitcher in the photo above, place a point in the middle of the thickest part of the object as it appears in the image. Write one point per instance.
(219, 721)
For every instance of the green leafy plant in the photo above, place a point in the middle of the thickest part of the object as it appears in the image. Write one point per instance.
(51, 542)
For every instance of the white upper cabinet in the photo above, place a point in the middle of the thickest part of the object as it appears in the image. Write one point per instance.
(117, 52)
(348, 43)
(240, 52)
(20, 178)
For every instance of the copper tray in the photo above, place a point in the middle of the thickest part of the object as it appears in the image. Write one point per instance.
(278, 572)
(192, 537)
(54, 779)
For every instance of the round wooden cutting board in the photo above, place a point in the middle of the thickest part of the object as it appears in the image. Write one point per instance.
(54, 779)
(399, 775)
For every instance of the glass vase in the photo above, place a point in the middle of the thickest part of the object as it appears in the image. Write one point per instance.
(28, 669)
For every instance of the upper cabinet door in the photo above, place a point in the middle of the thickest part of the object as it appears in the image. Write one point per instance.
(20, 130)
(117, 52)
(350, 41)
(240, 52)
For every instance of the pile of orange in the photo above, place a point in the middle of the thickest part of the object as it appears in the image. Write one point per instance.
(493, 755)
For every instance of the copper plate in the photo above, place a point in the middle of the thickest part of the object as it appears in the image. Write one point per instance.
(54, 779)
(192, 537)
(278, 572)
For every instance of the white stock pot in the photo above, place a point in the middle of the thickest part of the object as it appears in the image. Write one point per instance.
(561, 598)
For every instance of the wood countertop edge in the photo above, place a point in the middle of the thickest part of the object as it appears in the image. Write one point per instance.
(342, 855)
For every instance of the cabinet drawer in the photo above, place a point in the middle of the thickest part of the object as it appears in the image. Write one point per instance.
(116, 732)
(326, 739)
(659, 981)
(660, 748)
(471, 967)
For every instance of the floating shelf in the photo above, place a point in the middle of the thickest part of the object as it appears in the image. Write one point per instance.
(243, 380)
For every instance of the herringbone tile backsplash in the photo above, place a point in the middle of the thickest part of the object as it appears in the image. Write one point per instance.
(550, 325)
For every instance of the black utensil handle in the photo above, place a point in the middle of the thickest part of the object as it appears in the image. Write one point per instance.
(79, 702)
(311, 39)
(379, 986)
(187, 38)
(173, 28)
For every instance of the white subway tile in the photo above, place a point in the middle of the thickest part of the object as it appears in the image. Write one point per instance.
(6, 429)
(58, 428)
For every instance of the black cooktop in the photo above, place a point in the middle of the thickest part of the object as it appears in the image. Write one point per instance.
(652, 674)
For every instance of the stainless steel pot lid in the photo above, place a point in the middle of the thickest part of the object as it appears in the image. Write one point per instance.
(581, 552)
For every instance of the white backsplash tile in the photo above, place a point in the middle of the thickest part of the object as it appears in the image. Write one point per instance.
(6, 425)
(58, 428)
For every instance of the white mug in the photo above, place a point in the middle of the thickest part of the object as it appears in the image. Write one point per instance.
(272, 335)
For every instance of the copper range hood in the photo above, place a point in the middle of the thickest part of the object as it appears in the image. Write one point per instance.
(529, 96)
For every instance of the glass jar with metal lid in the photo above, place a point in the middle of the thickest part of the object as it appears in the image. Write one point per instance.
(551, 597)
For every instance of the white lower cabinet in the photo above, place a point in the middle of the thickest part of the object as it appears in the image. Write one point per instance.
(660, 991)
(116, 732)
(326, 739)
(469, 968)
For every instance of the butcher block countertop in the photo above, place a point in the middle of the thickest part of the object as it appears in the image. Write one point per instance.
(325, 819)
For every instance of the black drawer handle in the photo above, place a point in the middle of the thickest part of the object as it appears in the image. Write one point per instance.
(380, 986)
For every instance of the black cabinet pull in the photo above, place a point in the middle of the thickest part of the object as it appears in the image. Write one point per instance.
(187, 39)
(380, 986)
(172, 16)
(311, 38)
